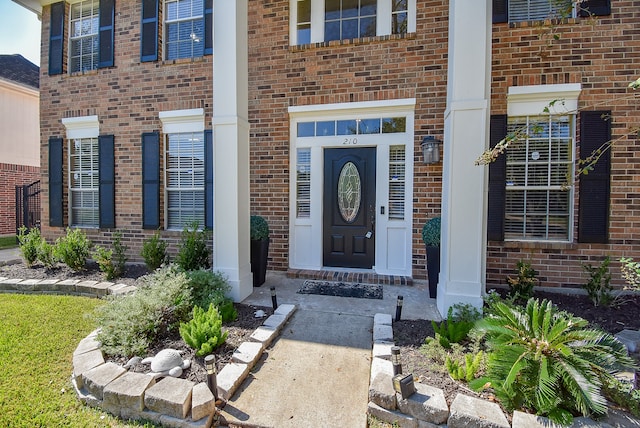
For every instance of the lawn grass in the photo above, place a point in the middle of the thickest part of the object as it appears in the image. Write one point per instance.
(8, 242)
(38, 334)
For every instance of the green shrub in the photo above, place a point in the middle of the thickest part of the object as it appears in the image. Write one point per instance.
(599, 285)
(73, 249)
(548, 360)
(431, 232)
(623, 394)
(460, 320)
(128, 324)
(204, 332)
(208, 287)
(228, 311)
(631, 272)
(521, 287)
(46, 255)
(29, 243)
(103, 257)
(467, 369)
(154, 252)
(112, 262)
(194, 253)
(259, 229)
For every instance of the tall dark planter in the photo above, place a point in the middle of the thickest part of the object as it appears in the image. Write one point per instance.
(259, 256)
(433, 269)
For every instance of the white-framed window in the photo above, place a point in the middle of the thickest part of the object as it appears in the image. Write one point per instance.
(314, 21)
(184, 26)
(536, 10)
(84, 182)
(83, 35)
(538, 203)
(184, 179)
(397, 178)
(303, 183)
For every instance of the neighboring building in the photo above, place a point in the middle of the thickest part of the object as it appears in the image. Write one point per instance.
(20, 128)
(340, 96)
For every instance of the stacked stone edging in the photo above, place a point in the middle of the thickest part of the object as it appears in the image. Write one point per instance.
(427, 407)
(171, 402)
(74, 287)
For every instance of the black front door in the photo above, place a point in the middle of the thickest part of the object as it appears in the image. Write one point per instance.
(349, 207)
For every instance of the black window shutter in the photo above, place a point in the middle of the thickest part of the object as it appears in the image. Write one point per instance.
(593, 212)
(208, 179)
(55, 182)
(497, 180)
(500, 11)
(595, 7)
(106, 182)
(150, 180)
(208, 27)
(56, 36)
(106, 33)
(149, 31)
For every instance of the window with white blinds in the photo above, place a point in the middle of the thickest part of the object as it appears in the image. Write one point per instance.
(534, 10)
(83, 36)
(184, 175)
(538, 202)
(396, 182)
(303, 183)
(83, 182)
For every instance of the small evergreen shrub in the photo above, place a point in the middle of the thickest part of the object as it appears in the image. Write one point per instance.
(112, 262)
(128, 324)
(204, 332)
(521, 287)
(431, 232)
(46, 255)
(194, 253)
(455, 329)
(208, 287)
(154, 252)
(599, 285)
(259, 228)
(228, 311)
(29, 244)
(73, 249)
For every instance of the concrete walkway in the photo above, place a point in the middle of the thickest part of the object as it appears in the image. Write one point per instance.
(315, 375)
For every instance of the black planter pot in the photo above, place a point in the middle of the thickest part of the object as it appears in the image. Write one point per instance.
(433, 269)
(259, 256)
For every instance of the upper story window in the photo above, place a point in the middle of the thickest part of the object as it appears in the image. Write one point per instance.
(83, 36)
(536, 10)
(314, 21)
(184, 28)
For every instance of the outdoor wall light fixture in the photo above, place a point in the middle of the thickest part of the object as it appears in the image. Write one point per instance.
(431, 149)
(212, 381)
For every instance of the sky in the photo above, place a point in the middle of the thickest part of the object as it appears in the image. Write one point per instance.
(19, 31)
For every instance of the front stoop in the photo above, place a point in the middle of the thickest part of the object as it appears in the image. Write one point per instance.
(171, 402)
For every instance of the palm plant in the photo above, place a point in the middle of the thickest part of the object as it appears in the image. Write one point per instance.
(548, 360)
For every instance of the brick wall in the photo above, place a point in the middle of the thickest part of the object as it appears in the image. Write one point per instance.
(127, 99)
(10, 177)
(601, 54)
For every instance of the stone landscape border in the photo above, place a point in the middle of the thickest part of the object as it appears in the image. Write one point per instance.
(181, 403)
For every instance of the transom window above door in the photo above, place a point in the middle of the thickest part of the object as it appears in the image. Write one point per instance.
(314, 21)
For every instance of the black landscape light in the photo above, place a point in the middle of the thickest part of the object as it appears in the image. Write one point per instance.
(212, 382)
(274, 298)
(404, 385)
(399, 307)
(395, 360)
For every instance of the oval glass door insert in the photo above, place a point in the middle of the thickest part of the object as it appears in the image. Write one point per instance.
(349, 192)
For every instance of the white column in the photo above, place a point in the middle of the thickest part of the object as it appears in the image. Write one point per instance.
(231, 146)
(466, 133)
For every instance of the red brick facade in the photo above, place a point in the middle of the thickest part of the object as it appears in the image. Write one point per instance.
(601, 53)
(10, 177)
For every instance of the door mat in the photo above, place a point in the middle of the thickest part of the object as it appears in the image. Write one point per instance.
(341, 289)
